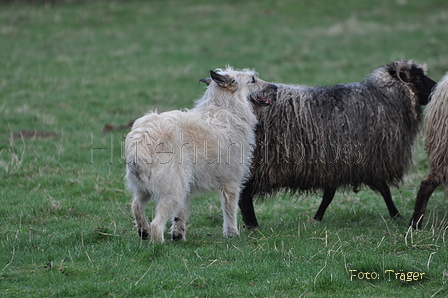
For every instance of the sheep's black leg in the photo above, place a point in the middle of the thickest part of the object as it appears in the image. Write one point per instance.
(326, 200)
(384, 190)
(246, 205)
(427, 186)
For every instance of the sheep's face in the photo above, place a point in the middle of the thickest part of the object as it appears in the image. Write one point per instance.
(414, 75)
(264, 97)
(423, 85)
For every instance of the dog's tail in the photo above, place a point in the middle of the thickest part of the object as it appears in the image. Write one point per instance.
(138, 160)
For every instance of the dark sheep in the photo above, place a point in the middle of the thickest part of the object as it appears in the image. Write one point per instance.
(435, 131)
(349, 135)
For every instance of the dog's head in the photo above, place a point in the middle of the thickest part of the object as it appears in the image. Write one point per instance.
(245, 84)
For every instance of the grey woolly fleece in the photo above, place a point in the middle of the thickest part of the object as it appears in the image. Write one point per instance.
(344, 135)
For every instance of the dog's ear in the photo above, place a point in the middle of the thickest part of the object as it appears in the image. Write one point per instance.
(207, 81)
(224, 81)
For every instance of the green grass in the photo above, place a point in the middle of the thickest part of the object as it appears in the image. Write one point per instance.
(65, 222)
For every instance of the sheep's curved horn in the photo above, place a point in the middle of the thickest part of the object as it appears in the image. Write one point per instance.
(402, 66)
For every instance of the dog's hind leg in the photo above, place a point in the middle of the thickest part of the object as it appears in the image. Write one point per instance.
(167, 205)
(138, 209)
(180, 218)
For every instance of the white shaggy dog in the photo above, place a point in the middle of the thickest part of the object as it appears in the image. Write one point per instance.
(171, 154)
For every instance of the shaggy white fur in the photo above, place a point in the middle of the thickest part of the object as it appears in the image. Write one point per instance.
(172, 154)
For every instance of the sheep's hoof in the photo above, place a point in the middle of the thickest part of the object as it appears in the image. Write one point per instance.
(317, 218)
(251, 226)
(416, 224)
(143, 234)
(397, 216)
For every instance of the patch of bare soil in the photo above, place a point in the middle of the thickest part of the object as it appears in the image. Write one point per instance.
(109, 127)
(31, 134)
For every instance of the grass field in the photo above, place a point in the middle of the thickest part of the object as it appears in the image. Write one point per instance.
(65, 223)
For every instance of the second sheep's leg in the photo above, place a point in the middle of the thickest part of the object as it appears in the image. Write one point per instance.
(427, 187)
